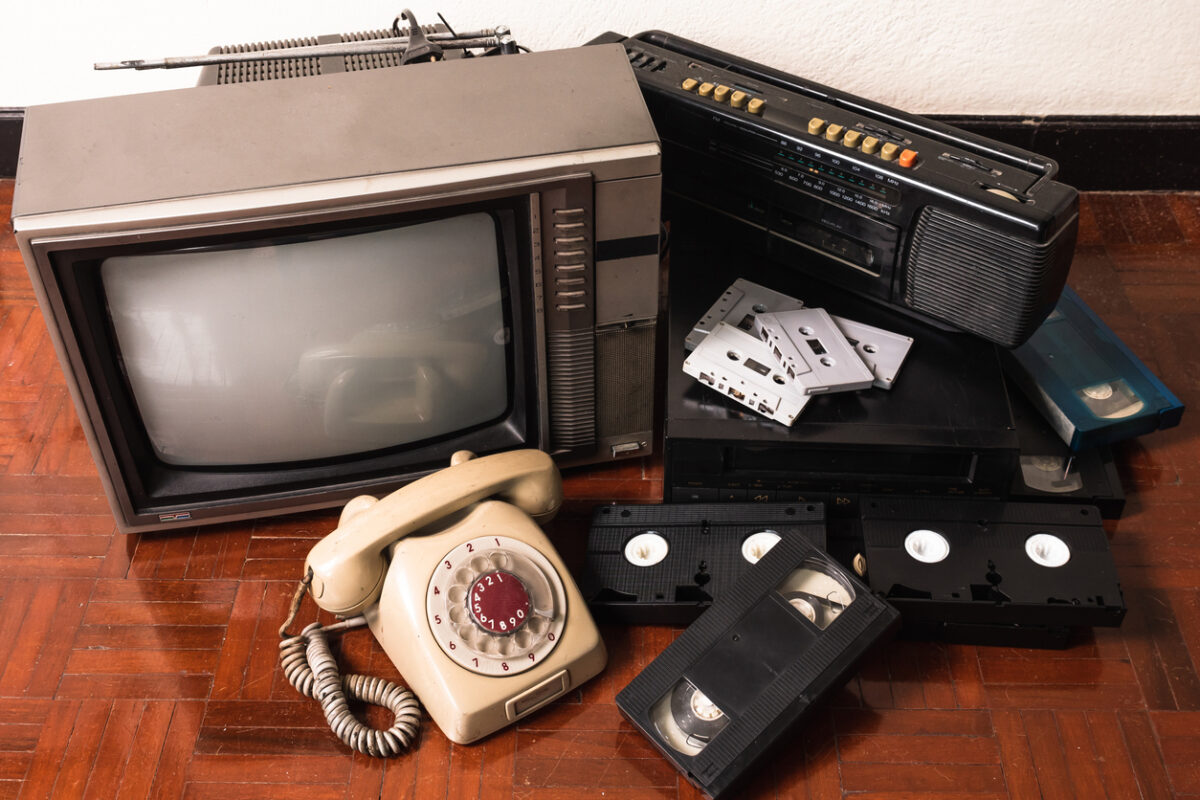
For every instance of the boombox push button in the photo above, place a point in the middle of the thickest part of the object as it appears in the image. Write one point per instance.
(755, 106)
(816, 125)
(738, 99)
(834, 132)
(908, 158)
(689, 84)
(870, 145)
(721, 93)
(705, 89)
(852, 138)
(888, 153)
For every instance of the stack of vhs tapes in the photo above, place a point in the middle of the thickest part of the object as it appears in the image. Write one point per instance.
(770, 353)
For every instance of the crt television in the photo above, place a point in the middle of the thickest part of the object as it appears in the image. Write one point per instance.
(269, 297)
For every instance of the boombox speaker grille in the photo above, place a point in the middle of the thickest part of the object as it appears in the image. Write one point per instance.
(991, 284)
(625, 383)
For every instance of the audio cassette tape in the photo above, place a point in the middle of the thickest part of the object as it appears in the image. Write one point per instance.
(738, 306)
(882, 351)
(737, 364)
(812, 351)
(666, 564)
(791, 630)
(991, 572)
(1087, 382)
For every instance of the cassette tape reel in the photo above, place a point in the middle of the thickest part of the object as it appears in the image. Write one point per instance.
(666, 564)
(791, 630)
(987, 571)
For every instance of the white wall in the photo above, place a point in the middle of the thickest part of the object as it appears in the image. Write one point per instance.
(934, 56)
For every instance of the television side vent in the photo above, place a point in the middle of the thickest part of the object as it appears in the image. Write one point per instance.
(250, 71)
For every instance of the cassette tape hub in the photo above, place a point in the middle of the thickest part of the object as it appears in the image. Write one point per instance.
(724, 694)
(691, 554)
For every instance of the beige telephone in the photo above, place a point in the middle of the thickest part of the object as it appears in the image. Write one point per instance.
(464, 592)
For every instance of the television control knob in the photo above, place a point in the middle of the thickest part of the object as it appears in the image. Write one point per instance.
(834, 132)
(498, 602)
(816, 125)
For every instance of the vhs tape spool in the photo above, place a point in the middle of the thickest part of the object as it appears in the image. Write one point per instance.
(1089, 385)
(666, 564)
(991, 572)
(727, 690)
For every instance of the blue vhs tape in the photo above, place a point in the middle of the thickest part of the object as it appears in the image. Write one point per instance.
(1091, 387)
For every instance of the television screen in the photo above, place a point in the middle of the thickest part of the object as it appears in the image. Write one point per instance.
(294, 350)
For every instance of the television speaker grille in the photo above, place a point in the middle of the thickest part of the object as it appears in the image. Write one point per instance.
(989, 283)
(625, 384)
(571, 363)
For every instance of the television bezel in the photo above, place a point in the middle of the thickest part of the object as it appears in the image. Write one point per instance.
(334, 480)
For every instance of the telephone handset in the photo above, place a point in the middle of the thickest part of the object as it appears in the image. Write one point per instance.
(476, 610)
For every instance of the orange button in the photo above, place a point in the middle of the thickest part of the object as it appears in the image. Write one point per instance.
(908, 158)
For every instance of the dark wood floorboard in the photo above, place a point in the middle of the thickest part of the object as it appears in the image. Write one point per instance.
(144, 666)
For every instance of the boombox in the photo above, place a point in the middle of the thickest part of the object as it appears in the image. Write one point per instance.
(958, 230)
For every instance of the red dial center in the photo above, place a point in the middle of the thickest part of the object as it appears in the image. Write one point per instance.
(498, 602)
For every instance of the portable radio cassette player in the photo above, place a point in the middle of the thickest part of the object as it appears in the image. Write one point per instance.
(956, 229)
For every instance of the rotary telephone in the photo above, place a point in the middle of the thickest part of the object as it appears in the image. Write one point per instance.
(464, 592)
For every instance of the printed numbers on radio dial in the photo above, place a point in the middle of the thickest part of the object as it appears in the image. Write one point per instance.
(496, 606)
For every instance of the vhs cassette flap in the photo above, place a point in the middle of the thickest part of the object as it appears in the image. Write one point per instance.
(788, 632)
(665, 564)
(991, 562)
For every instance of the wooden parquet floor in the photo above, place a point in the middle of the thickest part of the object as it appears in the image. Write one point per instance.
(145, 666)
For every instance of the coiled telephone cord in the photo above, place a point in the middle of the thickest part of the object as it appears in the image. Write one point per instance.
(310, 667)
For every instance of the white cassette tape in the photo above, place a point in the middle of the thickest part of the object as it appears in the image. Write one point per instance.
(812, 351)
(738, 306)
(882, 351)
(736, 364)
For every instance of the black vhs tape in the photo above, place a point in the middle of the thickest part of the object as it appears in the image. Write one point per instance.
(666, 564)
(990, 572)
(720, 696)
(957, 229)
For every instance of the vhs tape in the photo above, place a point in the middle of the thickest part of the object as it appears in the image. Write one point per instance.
(724, 693)
(1051, 472)
(666, 564)
(1089, 385)
(986, 571)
